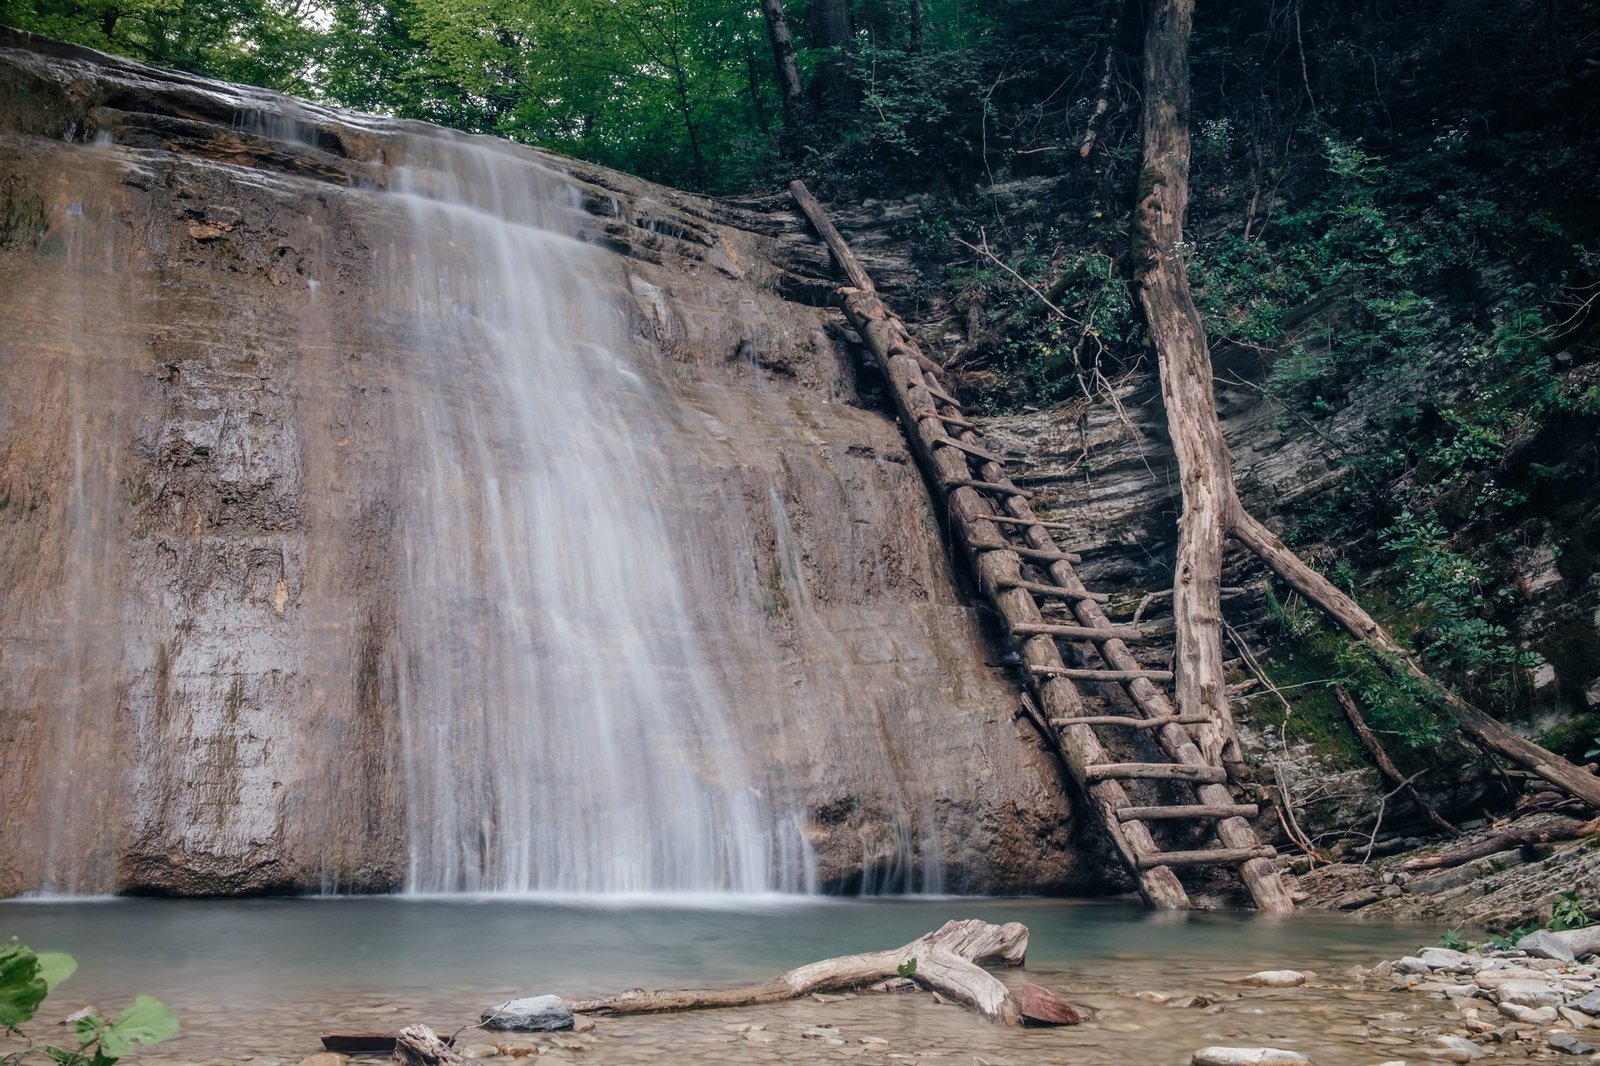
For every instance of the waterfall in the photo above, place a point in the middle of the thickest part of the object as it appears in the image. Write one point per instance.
(563, 727)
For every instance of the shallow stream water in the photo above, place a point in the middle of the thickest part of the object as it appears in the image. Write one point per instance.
(255, 982)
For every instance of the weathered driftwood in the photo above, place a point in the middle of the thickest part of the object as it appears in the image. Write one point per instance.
(417, 1045)
(1511, 838)
(948, 961)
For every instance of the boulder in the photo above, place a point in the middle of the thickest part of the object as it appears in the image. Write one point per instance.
(1248, 1056)
(1444, 958)
(533, 1014)
(1585, 941)
(1570, 1044)
(1530, 994)
(1589, 1004)
(1528, 1015)
(1546, 945)
(1279, 978)
(1412, 964)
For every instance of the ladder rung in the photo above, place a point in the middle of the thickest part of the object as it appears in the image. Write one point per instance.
(1213, 857)
(1034, 629)
(1055, 591)
(1193, 810)
(1132, 723)
(1157, 771)
(1025, 522)
(1113, 675)
(940, 394)
(975, 451)
(952, 420)
(1027, 553)
(988, 486)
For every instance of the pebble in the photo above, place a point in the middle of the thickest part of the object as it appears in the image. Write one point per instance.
(1248, 1056)
(1276, 978)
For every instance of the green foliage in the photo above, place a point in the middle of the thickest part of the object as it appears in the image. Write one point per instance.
(1568, 913)
(907, 968)
(27, 977)
(1454, 940)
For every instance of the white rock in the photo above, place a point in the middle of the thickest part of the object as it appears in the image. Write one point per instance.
(1248, 1056)
(1461, 1043)
(1528, 1015)
(1577, 1019)
(1461, 991)
(820, 1032)
(1530, 994)
(1278, 978)
(1444, 958)
(760, 1035)
(1493, 979)
(1546, 945)
(480, 1051)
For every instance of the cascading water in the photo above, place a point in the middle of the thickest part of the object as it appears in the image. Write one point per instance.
(368, 524)
(562, 728)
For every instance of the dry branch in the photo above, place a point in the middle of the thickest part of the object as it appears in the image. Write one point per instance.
(948, 961)
(1386, 765)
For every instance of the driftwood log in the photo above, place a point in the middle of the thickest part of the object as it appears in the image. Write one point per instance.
(1511, 838)
(948, 961)
(417, 1045)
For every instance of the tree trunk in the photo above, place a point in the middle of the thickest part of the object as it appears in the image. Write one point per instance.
(830, 23)
(914, 18)
(948, 961)
(783, 58)
(1205, 466)
(1211, 507)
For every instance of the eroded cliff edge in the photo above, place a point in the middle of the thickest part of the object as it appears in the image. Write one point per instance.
(198, 554)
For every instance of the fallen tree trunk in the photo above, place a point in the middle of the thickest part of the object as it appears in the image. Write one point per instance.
(948, 961)
(1511, 838)
(1211, 506)
(1386, 765)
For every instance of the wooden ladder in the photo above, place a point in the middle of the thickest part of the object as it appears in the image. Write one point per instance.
(992, 520)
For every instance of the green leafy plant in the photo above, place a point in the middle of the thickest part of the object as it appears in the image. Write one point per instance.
(1592, 752)
(1453, 940)
(27, 977)
(907, 968)
(1568, 913)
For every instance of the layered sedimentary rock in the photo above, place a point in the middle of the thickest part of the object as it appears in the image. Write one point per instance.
(309, 580)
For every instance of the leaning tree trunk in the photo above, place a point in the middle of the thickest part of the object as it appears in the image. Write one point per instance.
(783, 58)
(1205, 466)
(1211, 507)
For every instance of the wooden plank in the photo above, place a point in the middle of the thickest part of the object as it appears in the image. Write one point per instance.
(1116, 675)
(962, 423)
(940, 394)
(1056, 591)
(830, 236)
(1037, 554)
(1188, 810)
(1027, 522)
(1156, 771)
(1211, 857)
(974, 450)
(1045, 629)
(986, 486)
(1123, 719)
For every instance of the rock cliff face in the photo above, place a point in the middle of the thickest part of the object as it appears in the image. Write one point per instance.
(217, 608)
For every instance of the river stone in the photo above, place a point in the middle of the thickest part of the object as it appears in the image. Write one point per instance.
(1277, 979)
(1570, 1044)
(1585, 941)
(1461, 1043)
(1493, 979)
(534, 1014)
(1530, 994)
(1248, 1056)
(1547, 945)
(1528, 1015)
(1443, 958)
(479, 1051)
(1412, 964)
(1589, 1004)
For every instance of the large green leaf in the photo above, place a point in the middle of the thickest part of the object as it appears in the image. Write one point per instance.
(55, 967)
(22, 988)
(148, 1021)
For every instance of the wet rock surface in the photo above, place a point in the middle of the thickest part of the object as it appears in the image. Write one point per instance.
(202, 554)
